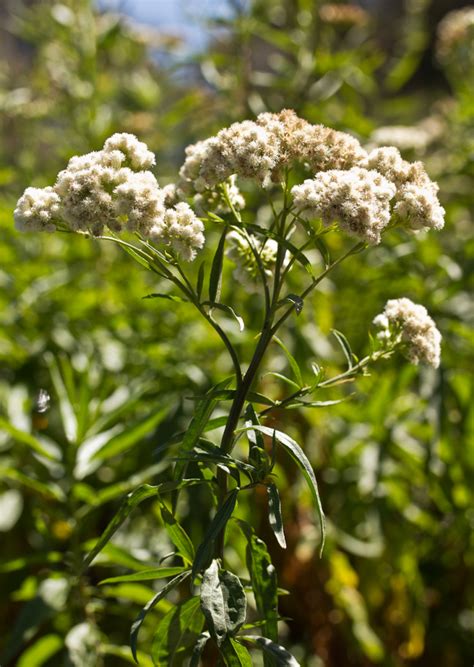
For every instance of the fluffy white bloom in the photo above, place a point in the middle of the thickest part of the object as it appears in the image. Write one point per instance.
(181, 229)
(241, 254)
(141, 200)
(36, 210)
(245, 149)
(112, 189)
(388, 161)
(358, 199)
(136, 152)
(261, 149)
(417, 201)
(408, 323)
(85, 188)
(419, 206)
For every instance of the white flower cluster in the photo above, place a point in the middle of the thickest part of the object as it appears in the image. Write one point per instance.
(112, 189)
(416, 198)
(456, 28)
(37, 210)
(261, 149)
(408, 323)
(359, 199)
(242, 255)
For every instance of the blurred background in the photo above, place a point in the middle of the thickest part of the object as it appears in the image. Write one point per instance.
(93, 379)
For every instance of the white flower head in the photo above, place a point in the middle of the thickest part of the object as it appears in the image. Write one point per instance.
(416, 199)
(36, 210)
(358, 199)
(409, 324)
(181, 229)
(141, 200)
(136, 152)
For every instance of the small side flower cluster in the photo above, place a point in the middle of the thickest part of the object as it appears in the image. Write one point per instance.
(407, 323)
(358, 198)
(241, 254)
(416, 198)
(113, 189)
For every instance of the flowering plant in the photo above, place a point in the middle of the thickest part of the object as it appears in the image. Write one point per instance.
(111, 193)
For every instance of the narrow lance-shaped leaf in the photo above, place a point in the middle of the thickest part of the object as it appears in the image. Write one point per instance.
(25, 439)
(131, 501)
(346, 348)
(198, 424)
(280, 655)
(137, 624)
(200, 280)
(263, 578)
(146, 575)
(217, 524)
(169, 297)
(301, 460)
(177, 534)
(234, 654)
(226, 309)
(131, 436)
(292, 361)
(274, 514)
(216, 269)
(177, 632)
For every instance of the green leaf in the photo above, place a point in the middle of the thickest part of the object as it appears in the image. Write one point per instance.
(123, 652)
(279, 654)
(346, 348)
(131, 436)
(131, 501)
(198, 424)
(200, 280)
(216, 269)
(177, 632)
(234, 654)
(229, 395)
(50, 490)
(274, 514)
(136, 625)
(217, 524)
(68, 416)
(296, 300)
(40, 652)
(177, 534)
(323, 250)
(263, 578)
(292, 361)
(301, 460)
(228, 310)
(199, 648)
(223, 602)
(25, 439)
(170, 297)
(146, 575)
(283, 378)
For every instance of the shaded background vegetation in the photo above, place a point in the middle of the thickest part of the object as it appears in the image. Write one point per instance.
(395, 463)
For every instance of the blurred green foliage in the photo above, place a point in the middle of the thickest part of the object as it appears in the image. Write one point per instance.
(395, 463)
